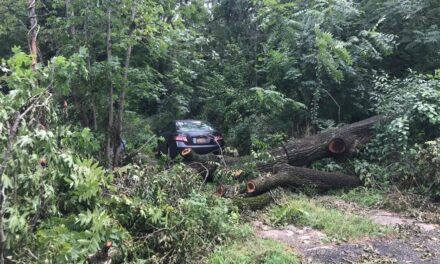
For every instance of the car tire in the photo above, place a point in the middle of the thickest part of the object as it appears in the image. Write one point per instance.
(172, 151)
(219, 151)
(158, 152)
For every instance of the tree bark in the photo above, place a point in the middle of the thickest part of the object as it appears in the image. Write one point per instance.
(252, 203)
(94, 114)
(334, 142)
(103, 256)
(33, 32)
(205, 165)
(286, 175)
(229, 191)
(121, 103)
(109, 139)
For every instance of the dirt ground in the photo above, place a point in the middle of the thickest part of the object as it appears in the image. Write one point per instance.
(416, 241)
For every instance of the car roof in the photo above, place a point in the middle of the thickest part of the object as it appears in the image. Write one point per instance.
(189, 120)
(195, 120)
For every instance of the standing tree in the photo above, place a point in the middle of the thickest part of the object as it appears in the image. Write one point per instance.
(33, 32)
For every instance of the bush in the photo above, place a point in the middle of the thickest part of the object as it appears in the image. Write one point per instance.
(426, 173)
(173, 223)
(59, 205)
(405, 150)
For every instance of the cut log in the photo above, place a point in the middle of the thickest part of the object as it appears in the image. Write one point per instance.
(205, 165)
(286, 175)
(334, 142)
(190, 155)
(252, 203)
(103, 256)
(228, 191)
(208, 163)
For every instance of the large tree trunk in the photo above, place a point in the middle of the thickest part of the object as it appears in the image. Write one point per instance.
(105, 255)
(121, 99)
(33, 32)
(110, 134)
(334, 142)
(205, 165)
(252, 203)
(286, 175)
(229, 191)
(341, 141)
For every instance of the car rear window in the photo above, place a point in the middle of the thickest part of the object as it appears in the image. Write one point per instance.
(193, 126)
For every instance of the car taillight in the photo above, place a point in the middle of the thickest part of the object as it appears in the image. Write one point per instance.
(218, 137)
(181, 137)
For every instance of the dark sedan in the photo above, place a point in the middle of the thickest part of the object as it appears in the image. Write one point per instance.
(200, 136)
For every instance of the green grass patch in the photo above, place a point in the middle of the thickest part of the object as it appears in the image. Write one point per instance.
(369, 198)
(253, 251)
(393, 200)
(302, 211)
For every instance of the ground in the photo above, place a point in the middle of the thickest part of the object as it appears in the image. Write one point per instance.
(411, 241)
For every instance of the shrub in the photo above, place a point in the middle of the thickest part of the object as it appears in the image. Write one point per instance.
(399, 154)
(172, 222)
(59, 205)
(425, 175)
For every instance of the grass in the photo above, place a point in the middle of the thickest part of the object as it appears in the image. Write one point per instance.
(393, 200)
(253, 251)
(337, 225)
(365, 197)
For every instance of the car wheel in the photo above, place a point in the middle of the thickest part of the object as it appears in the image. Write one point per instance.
(158, 152)
(218, 151)
(172, 151)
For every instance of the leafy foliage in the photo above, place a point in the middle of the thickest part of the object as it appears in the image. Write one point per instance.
(262, 71)
(413, 110)
(60, 205)
(172, 222)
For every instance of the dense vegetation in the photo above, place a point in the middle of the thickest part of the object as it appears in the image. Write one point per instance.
(77, 77)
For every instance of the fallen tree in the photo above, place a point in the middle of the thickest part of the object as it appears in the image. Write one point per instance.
(205, 165)
(333, 142)
(105, 255)
(284, 168)
(228, 191)
(252, 203)
(289, 176)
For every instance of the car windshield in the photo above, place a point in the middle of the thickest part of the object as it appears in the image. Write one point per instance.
(193, 125)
